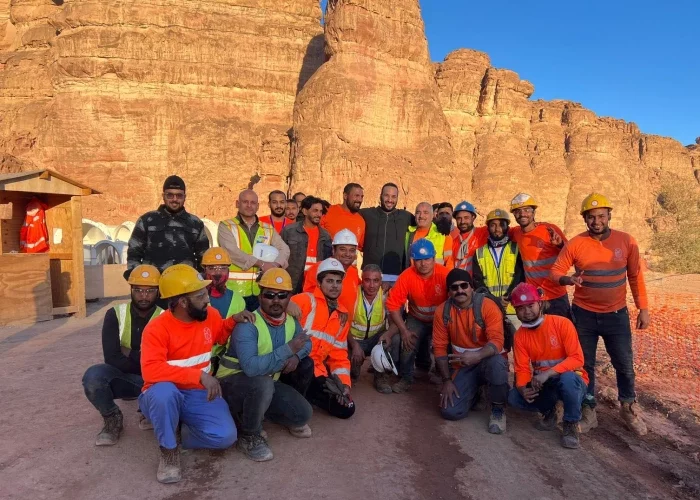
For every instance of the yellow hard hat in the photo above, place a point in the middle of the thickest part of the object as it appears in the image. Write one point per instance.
(595, 200)
(179, 280)
(144, 275)
(277, 279)
(522, 200)
(216, 256)
(498, 214)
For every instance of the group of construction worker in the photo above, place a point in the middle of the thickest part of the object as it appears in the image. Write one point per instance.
(278, 318)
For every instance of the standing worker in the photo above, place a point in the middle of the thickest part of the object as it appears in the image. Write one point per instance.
(465, 237)
(539, 244)
(291, 212)
(308, 242)
(423, 285)
(239, 236)
(604, 260)
(120, 375)
(277, 201)
(347, 215)
(426, 228)
(169, 235)
(385, 234)
(497, 264)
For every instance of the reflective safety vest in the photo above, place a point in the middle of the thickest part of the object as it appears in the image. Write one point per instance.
(230, 366)
(123, 312)
(243, 281)
(435, 237)
(361, 327)
(498, 278)
(545, 364)
(237, 305)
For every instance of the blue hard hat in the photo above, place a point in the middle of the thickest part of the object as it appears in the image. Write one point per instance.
(422, 249)
(465, 206)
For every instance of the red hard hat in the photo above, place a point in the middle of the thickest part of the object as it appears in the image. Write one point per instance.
(525, 294)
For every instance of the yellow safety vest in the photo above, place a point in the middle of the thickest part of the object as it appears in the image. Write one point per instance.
(362, 327)
(436, 238)
(498, 279)
(124, 320)
(243, 281)
(237, 305)
(230, 365)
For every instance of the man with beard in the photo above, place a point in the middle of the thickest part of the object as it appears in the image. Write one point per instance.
(291, 212)
(277, 202)
(548, 346)
(475, 353)
(443, 220)
(120, 375)
(465, 237)
(264, 360)
(385, 234)
(426, 228)
(308, 242)
(604, 260)
(169, 235)
(539, 244)
(346, 215)
(497, 265)
(176, 364)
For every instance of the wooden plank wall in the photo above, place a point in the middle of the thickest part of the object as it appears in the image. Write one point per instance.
(58, 216)
(25, 289)
(9, 229)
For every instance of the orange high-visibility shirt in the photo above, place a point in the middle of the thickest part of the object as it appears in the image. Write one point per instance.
(538, 256)
(178, 352)
(311, 247)
(277, 225)
(448, 256)
(552, 345)
(339, 217)
(351, 281)
(424, 295)
(606, 265)
(464, 246)
(329, 341)
(463, 333)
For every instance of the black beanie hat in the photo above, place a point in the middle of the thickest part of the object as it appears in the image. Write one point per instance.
(458, 275)
(174, 182)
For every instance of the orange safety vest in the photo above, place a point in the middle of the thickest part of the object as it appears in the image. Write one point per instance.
(34, 236)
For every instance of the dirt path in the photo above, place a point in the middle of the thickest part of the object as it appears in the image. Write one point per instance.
(395, 447)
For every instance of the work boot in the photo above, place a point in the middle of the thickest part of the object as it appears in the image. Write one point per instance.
(169, 465)
(589, 420)
(144, 423)
(632, 415)
(254, 447)
(497, 421)
(482, 399)
(301, 432)
(548, 421)
(570, 435)
(109, 435)
(381, 383)
(401, 386)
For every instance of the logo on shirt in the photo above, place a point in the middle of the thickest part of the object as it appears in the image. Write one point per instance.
(553, 341)
(540, 244)
(438, 289)
(618, 254)
(207, 336)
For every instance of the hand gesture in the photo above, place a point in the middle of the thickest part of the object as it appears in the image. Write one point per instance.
(643, 319)
(343, 318)
(528, 393)
(466, 358)
(298, 342)
(408, 340)
(448, 393)
(291, 364)
(576, 279)
(539, 380)
(244, 317)
(554, 237)
(211, 384)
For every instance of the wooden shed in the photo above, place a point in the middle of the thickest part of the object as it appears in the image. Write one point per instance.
(35, 287)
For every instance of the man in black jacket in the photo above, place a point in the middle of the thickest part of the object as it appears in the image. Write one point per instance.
(385, 234)
(119, 377)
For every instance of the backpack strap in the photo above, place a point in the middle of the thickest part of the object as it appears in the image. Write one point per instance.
(447, 312)
(477, 302)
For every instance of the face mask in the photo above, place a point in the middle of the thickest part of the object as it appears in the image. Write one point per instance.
(535, 323)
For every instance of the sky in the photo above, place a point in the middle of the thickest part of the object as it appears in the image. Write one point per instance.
(636, 60)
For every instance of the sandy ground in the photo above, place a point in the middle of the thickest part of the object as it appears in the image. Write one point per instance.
(395, 447)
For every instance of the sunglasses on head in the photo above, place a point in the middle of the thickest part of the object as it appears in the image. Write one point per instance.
(459, 286)
(275, 295)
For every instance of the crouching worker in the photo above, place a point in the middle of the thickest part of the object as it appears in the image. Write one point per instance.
(176, 365)
(550, 345)
(473, 325)
(119, 377)
(259, 352)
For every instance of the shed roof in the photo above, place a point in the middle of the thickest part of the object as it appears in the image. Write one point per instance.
(44, 181)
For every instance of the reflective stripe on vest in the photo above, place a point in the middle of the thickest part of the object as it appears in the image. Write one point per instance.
(205, 357)
(498, 279)
(433, 236)
(123, 312)
(534, 268)
(545, 364)
(363, 327)
(330, 339)
(310, 261)
(424, 314)
(605, 273)
(243, 281)
(230, 366)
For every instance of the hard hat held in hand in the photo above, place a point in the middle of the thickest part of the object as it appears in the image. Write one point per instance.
(422, 249)
(277, 279)
(345, 237)
(144, 275)
(464, 206)
(265, 253)
(524, 294)
(216, 256)
(498, 214)
(179, 280)
(522, 200)
(595, 200)
(381, 360)
(329, 265)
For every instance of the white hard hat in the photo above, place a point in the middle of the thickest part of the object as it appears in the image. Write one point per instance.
(330, 264)
(265, 253)
(345, 237)
(381, 360)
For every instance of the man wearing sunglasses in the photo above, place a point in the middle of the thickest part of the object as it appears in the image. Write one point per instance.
(263, 361)
(120, 375)
(475, 350)
(169, 235)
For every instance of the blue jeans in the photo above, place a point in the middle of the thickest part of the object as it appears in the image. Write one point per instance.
(568, 387)
(614, 328)
(422, 346)
(104, 383)
(492, 371)
(208, 423)
(560, 307)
